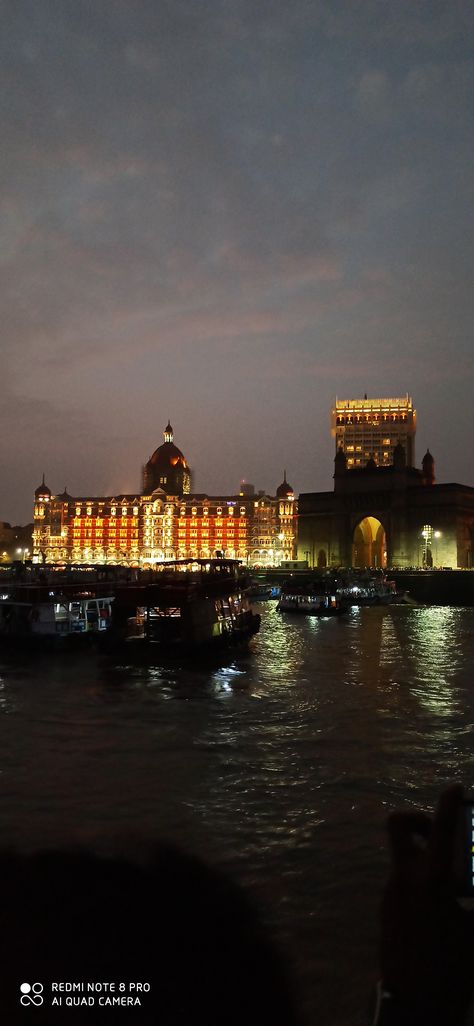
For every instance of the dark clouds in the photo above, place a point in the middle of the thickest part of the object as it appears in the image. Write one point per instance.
(225, 213)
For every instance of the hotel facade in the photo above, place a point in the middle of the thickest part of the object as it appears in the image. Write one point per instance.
(372, 428)
(164, 521)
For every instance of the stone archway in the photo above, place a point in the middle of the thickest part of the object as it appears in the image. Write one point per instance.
(369, 544)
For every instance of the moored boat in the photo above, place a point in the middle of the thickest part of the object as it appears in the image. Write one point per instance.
(31, 614)
(366, 590)
(309, 600)
(187, 605)
(258, 591)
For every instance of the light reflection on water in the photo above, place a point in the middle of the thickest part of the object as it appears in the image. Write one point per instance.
(280, 763)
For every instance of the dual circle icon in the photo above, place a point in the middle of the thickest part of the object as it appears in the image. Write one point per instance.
(31, 994)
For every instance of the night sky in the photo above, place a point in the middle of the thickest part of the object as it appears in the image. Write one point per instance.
(226, 213)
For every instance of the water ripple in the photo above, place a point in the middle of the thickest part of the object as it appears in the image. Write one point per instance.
(281, 764)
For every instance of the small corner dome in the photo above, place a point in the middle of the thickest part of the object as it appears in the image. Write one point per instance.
(427, 459)
(399, 456)
(43, 489)
(284, 488)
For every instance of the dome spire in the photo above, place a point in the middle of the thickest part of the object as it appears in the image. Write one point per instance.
(168, 432)
(43, 489)
(284, 489)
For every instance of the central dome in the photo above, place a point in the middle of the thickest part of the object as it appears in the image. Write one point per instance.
(167, 468)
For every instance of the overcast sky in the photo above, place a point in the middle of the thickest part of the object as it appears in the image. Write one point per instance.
(226, 212)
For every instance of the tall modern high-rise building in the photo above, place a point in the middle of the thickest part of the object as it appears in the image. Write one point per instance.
(370, 429)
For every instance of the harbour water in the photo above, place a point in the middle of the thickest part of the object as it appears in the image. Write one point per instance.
(279, 765)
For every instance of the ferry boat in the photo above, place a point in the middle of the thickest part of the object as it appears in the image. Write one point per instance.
(364, 590)
(301, 598)
(186, 604)
(258, 591)
(31, 613)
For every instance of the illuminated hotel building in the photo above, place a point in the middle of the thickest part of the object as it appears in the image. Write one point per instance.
(165, 521)
(372, 428)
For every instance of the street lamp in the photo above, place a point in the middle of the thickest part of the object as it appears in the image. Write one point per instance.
(427, 535)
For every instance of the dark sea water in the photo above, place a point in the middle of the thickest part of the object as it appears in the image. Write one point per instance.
(279, 765)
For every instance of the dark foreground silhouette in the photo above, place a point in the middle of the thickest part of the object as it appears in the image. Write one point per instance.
(175, 943)
(175, 924)
(426, 936)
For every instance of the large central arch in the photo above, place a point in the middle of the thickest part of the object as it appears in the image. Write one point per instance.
(369, 544)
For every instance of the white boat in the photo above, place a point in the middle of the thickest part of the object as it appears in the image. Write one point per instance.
(313, 603)
(32, 613)
(368, 591)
